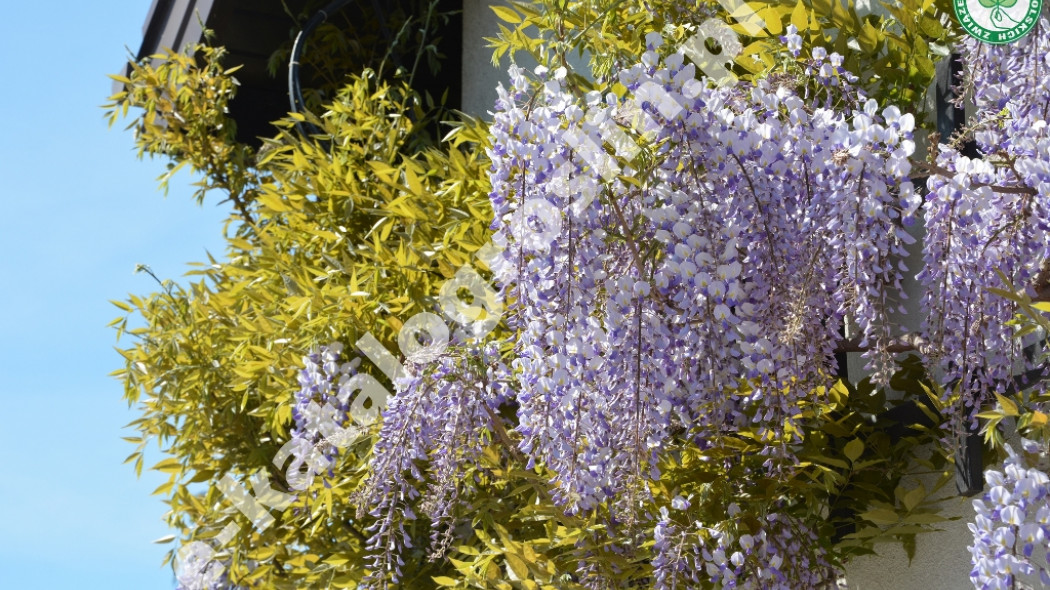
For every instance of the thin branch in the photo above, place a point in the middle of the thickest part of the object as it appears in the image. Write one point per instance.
(353, 531)
(1016, 190)
(906, 343)
(628, 236)
(241, 207)
(1041, 283)
(501, 433)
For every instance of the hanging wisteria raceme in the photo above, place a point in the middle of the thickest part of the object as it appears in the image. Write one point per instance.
(989, 215)
(1011, 529)
(563, 351)
(432, 431)
(731, 244)
(321, 404)
(199, 572)
(781, 554)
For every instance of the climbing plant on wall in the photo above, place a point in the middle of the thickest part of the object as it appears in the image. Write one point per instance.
(611, 315)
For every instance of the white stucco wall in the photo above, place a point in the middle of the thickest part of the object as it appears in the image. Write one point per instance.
(480, 77)
(942, 560)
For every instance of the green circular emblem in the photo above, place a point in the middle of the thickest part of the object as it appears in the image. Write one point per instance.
(998, 21)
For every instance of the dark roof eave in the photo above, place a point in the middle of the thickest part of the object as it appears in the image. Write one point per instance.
(170, 24)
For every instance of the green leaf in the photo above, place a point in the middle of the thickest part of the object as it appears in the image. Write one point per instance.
(868, 36)
(516, 566)
(924, 518)
(854, 449)
(1008, 406)
(881, 516)
(506, 14)
(800, 17)
(171, 465)
(908, 542)
(121, 305)
(932, 27)
(1015, 297)
(163, 488)
(830, 461)
(912, 498)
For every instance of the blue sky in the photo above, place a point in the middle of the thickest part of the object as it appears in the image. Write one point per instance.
(79, 211)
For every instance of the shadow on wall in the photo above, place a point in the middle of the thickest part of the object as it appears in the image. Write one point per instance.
(480, 77)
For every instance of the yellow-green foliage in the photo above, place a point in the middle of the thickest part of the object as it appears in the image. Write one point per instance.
(894, 55)
(330, 239)
(184, 118)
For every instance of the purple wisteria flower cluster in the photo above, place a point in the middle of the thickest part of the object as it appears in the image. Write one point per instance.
(432, 431)
(200, 572)
(792, 40)
(321, 405)
(1011, 530)
(779, 554)
(732, 244)
(989, 215)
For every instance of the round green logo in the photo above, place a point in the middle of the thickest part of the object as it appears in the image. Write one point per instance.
(998, 21)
